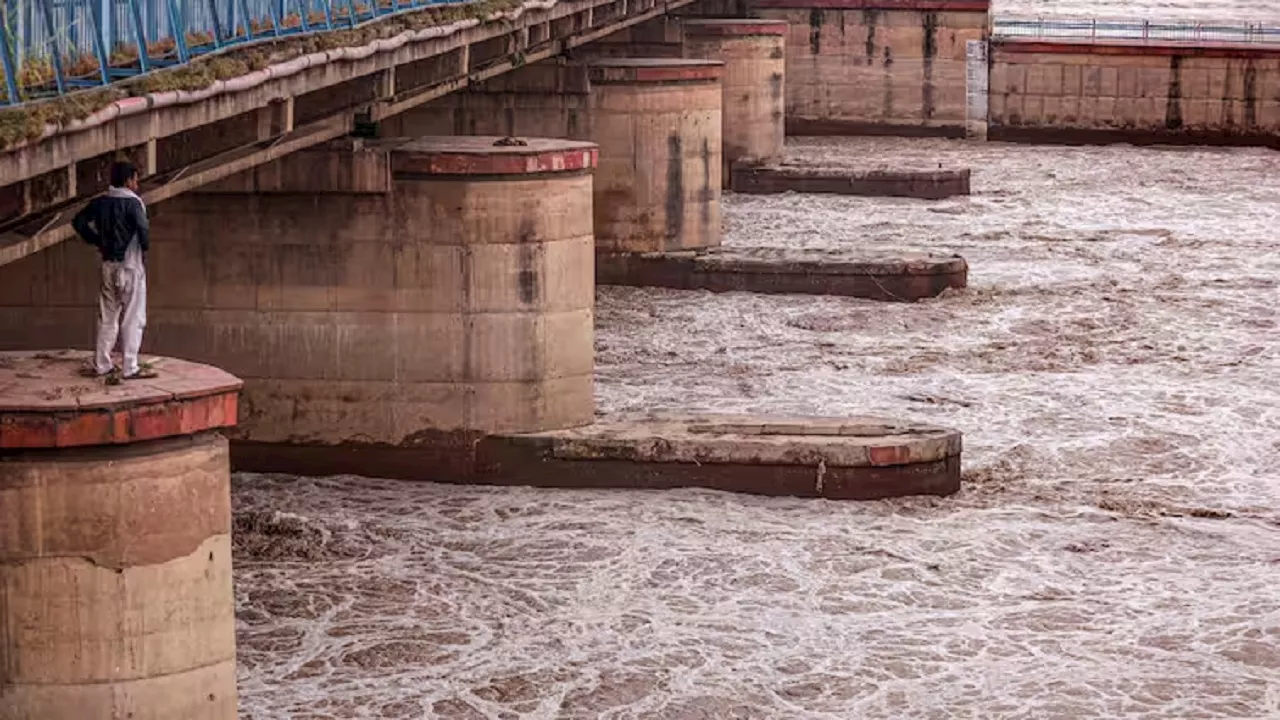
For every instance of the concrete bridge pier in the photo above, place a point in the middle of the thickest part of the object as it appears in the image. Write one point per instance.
(754, 105)
(115, 546)
(455, 304)
(657, 122)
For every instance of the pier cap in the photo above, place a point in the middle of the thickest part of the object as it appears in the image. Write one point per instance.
(481, 155)
(46, 403)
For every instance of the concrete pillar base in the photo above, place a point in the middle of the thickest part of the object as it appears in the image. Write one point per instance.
(115, 557)
(920, 184)
(853, 458)
(901, 278)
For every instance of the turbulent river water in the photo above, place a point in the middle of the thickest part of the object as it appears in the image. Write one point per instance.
(1115, 552)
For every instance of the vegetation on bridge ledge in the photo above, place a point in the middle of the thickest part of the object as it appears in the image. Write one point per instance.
(27, 122)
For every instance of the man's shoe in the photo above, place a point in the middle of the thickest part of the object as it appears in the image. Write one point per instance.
(143, 374)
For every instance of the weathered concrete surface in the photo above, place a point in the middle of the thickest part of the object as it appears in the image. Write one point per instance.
(877, 66)
(924, 185)
(1135, 92)
(851, 458)
(115, 553)
(197, 139)
(546, 99)
(44, 403)
(361, 170)
(657, 122)
(657, 38)
(856, 458)
(460, 300)
(900, 278)
(753, 110)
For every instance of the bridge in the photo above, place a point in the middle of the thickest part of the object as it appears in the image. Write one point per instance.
(381, 225)
(196, 92)
(280, 143)
(223, 112)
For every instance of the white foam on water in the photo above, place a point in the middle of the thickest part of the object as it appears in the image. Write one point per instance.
(1115, 552)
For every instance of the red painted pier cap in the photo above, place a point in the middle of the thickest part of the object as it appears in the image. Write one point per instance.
(733, 27)
(480, 155)
(624, 71)
(46, 403)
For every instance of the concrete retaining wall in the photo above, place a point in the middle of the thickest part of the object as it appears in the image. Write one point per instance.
(1134, 92)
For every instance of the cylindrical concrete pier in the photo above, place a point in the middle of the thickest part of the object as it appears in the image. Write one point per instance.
(517, 323)
(115, 545)
(658, 125)
(754, 107)
(444, 290)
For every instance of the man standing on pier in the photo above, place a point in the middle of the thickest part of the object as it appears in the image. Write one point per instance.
(116, 223)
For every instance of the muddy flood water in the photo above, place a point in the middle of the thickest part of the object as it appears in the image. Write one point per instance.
(1115, 367)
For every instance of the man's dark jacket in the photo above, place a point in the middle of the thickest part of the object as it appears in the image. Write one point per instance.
(109, 222)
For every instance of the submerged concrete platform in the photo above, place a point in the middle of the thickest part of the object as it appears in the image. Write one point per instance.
(899, 278)
(920, 184)
(852, 458)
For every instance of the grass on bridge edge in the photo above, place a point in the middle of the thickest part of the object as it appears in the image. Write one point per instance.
(28, 122)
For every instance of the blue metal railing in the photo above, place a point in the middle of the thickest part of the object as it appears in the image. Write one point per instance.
(50, 47)
(1103, 30)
